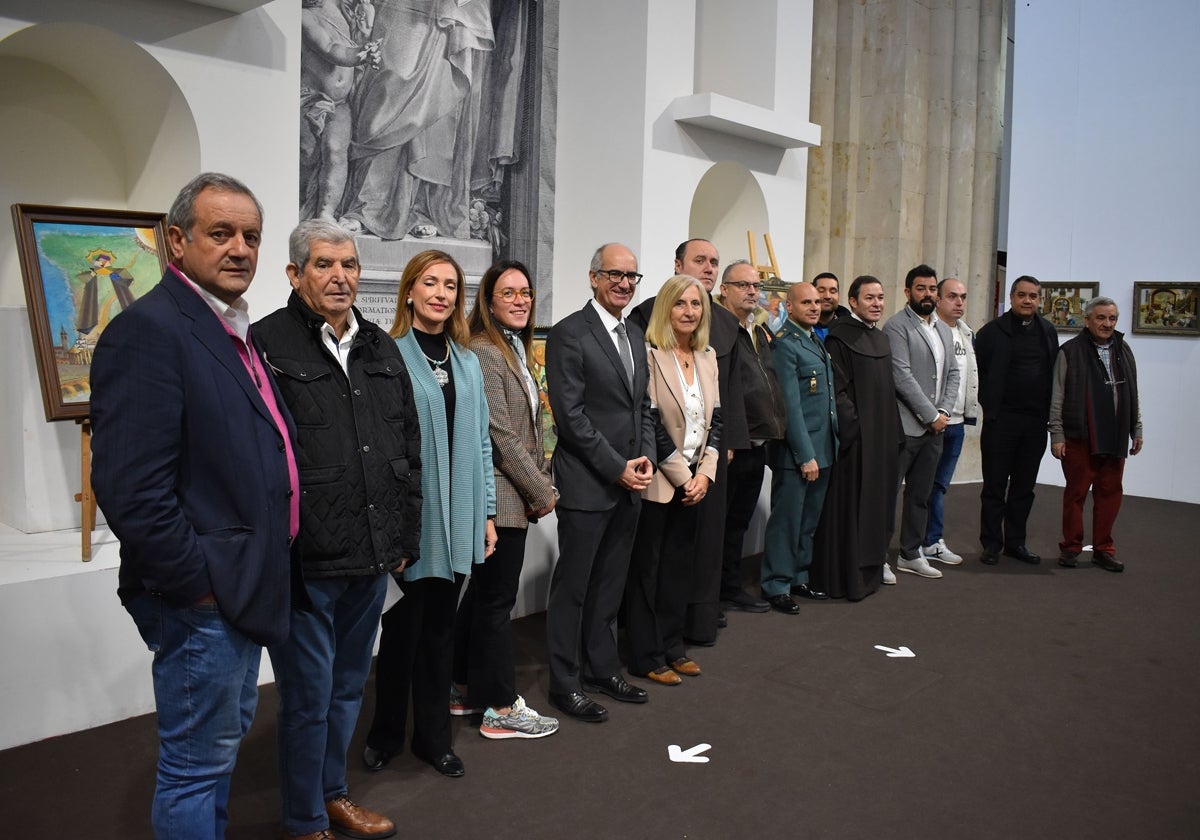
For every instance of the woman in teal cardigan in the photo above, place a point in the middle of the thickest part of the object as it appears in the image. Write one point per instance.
(457, 528)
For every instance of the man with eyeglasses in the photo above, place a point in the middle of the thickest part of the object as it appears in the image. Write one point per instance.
(699, 258)
(766, 415)
(1094, 414)
(597, 376)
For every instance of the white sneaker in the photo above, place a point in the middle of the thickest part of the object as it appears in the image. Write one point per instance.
(917, 566)
(940, 553)
(889, 577)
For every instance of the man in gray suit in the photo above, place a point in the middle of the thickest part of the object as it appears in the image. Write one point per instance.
(926, 380)
(597, 376)
(800, 464)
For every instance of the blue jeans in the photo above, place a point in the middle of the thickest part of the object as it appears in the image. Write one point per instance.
(320, 671)
(952, 441)
(205, 689)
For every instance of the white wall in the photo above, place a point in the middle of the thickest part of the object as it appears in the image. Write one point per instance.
(1104, 188)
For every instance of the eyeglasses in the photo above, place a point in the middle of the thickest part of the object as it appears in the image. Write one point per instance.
(742, 286)
(510, 294)
(615, 276)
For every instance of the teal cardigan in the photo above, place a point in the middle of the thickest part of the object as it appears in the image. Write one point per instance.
(460, 493)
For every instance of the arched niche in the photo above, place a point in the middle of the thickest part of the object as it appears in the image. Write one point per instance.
(728, 202)
(91, 119)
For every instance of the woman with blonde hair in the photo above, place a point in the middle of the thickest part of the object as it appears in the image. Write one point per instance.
(459, 504)
(501, 331)
(686, 406)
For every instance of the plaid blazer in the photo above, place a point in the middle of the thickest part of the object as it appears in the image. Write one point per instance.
(522, 470)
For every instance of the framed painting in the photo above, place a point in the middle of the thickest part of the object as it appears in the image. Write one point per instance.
(1166, 308)
(772, 312)
(82, 267)
(1062, 303)
(537, 364)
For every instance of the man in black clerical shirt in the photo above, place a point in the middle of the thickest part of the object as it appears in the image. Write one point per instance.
(1015, 353)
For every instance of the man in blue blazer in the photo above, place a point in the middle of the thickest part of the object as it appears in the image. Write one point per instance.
(926, 378)
(800, 464)
(193, 467)
(597, 376)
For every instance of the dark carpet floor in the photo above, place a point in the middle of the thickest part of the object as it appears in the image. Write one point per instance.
(1041, 703)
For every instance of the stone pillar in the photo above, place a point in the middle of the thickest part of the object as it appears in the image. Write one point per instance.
(909, 95)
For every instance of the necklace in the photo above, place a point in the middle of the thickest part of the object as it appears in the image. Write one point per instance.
(685, 361)
(440, 375)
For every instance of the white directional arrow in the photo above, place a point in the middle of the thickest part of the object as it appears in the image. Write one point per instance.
(691, 756)
(901, 652)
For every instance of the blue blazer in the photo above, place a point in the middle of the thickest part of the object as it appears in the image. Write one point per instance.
(806, 380)
(188, 464)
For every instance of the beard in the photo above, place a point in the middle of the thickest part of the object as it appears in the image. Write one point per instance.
(923, 308)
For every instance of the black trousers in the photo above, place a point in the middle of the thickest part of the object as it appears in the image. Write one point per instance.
(656, 592)
(704, 606)
(415, 650)
(1011, 447)
(744, 485)
(483, 646)
(585, 591)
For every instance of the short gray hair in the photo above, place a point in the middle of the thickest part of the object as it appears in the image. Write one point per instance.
(1088, 306)
(730, 267)
(316, 230)
(598, 257)
(183, 210)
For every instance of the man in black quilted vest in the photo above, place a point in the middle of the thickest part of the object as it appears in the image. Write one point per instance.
(358, 449)
(1094, 416)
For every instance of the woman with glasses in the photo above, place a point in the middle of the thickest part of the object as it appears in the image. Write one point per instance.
(457, 531)
(685, 403)
(501, 331)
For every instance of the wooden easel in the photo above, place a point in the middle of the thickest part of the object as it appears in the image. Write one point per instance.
(85, 496)
(771, 269)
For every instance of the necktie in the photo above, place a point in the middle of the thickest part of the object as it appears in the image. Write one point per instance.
(626, 354)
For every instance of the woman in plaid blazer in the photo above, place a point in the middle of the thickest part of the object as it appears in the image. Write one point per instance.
(501, 329)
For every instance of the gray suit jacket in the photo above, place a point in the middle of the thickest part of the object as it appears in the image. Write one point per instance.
(602, 422)
(915, 370)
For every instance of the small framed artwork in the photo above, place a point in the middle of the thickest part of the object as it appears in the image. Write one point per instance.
(1062, 303)
(82, 268)
(537, 363)
(772, 312)
(1166, 308)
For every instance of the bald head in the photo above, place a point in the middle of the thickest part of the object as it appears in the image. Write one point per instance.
(804, 304)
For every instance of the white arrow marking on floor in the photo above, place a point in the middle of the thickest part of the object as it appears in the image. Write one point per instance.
(691, 756)
(901, 652)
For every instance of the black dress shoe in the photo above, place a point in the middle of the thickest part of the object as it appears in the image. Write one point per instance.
(1107, 562)
(1023, 554)
(616, 688)
(375, 759)
(783, 604)
(803, 591)
(722, 623)
(448, 764)
(990, 558)
(745, 603)
(579, 706)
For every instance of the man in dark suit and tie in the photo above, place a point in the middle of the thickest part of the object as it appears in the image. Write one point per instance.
(193, 467)
(597, 376)
(800, 464)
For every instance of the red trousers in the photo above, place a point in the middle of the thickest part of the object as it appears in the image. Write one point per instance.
(1102, 474)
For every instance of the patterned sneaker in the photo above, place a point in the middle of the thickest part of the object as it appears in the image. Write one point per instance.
(459, 707)
(521, 722)
(940, 553)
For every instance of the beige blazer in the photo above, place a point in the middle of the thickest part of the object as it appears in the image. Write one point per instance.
(666, 403)
(522, 471)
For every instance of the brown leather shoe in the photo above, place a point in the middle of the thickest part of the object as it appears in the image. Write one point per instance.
(685, 666)
(664, 676)
(354, 820)
(1107, 561)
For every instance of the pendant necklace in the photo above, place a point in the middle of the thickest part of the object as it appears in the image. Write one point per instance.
(440, 375)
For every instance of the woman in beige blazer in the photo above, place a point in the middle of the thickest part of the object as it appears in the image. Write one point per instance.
(501, 330)
(687, 415)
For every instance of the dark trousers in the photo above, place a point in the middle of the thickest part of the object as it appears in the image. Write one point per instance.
(704, 603)
(1011, 447)
(656, 592)
(745, 478)
(585, 592)
(415, 651)
(918, 463)
(483, 646)
(1102, 474)
(788, 542)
